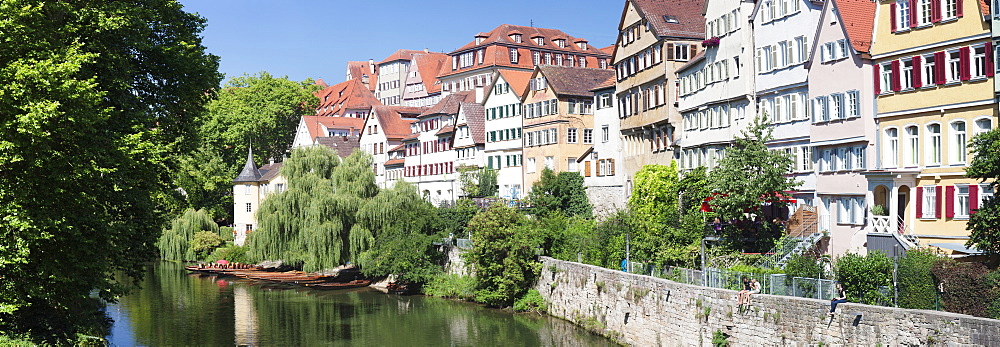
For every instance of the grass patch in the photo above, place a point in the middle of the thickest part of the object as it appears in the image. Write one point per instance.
(451, 286)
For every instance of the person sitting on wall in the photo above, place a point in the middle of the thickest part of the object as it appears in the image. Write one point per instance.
(743, 297)
(841, 298)
(754, 289)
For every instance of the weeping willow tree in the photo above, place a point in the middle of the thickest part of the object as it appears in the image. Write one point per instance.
(175, 243)
(311, 224)
(394, 234)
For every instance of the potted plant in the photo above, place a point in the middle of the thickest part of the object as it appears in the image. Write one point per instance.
(710, 42)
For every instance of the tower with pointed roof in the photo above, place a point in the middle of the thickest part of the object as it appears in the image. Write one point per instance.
(250, 187)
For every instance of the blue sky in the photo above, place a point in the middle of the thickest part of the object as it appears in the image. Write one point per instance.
(301, 39)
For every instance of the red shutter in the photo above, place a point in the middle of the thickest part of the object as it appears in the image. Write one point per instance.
(989, 59)
(935, 11)
(939, 67)
(973, 198)
(937, 201)
(917, 81)
(913, 13)
(949, 201)
(963, 64)
(958, 9)
(892, 16)
(878, 87)
(920, 202)
(895, 76)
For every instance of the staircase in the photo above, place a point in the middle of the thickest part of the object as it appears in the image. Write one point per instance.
(802, 234)
(803, 222)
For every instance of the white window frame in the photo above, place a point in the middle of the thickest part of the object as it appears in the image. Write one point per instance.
(929, 203)
(934, 144)
(962, 202)
(959, 142)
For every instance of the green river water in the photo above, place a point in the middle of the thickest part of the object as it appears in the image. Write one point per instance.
(176, 308)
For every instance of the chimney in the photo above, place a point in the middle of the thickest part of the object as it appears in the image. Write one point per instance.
(364, 80)
(479, 95)
(427, 50)
(371, 66)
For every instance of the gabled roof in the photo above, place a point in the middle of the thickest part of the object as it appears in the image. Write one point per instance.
(609, 83)
(574, 81)
(858, 18)
(321, 83)
(269, 171)
(349, 95)
(403, 54)
(343, 145)
(395, 125)
(475, 117)
(518, 81)
(688, 14)
(392, 162)
(356, 69)
(501, 34)
(448, 129)
(316, 124)
(249, 172)
(694, 61)
(429, 64)
(450, 103)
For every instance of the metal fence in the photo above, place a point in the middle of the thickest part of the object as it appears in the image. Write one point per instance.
(774, 284)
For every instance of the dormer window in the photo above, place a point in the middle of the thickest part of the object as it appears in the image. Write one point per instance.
(539, 40)
(479, 40)
(582, 45)
(515, 37)
(560, 42)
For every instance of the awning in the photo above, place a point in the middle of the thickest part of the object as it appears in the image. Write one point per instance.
(957, 247)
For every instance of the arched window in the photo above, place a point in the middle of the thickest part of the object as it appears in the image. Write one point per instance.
(983, 125)
(912, 154)
(933, 144)
(891, 147)
(958, 143)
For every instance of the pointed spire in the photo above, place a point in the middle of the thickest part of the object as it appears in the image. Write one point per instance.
(250, 172)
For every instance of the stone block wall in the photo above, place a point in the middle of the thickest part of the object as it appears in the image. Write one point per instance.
(646, 311)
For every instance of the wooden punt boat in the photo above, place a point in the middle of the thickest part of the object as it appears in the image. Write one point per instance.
(340, 285)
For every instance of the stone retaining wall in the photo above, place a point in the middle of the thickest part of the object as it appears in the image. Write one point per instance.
(647, 311)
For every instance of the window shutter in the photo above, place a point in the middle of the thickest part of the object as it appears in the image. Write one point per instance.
(694, 50)
(936, 11)
(939, 67)
(973, 198)
(917, 81)
(670, 51)
(958, 9)
(612, 162)
(989, 59)
(892, 16)
(895, 76)
(920, 202)
(949, 201)
(937, 202)
(878, 87)
(963, 64)
(586, 168)
(913, 13)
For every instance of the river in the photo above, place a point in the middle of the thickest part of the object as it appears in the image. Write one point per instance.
(176, 308)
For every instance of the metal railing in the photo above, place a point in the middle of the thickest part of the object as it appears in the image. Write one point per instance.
(773, 284)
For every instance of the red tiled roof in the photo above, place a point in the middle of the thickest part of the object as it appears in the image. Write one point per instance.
(984, 8)
(429, 64)
(397, 148)
(343, 145)
(518, 80)
(316, 124)
(858, 17)
(449, 105)
(475, 117)
(394, 124)
(688, 13)
(322, 84)
(610, 82)
(356, 69)
(411, 137)
(497, 49)
(574, 81)
(694, 61)
(609, 49)
(445, 130)
(395, 162)
(349, 95)
(403, 54)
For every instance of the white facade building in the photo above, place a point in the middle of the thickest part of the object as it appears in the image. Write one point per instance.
(605, 190)
(503, 131)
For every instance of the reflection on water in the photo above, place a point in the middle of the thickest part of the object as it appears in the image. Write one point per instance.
(178, 309)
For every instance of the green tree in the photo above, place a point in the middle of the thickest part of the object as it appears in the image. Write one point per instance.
(98, 98)
(862, 276)
(453, 220)
(175, 243)
(400, 235)
(205, 242)
(984, 225)
(749, 175)
(917, 288)
(801, 265)
(563, 192)
(503, 256)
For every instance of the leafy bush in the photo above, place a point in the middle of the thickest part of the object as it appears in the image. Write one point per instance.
(803, 266)
(993, 281)
(226, 233)
(532, 301)
(862, 276)
(451, 286)
(503, 258)
(233, 253)
(917, 288)
(720, 339)
(204, 243)
(965, 287)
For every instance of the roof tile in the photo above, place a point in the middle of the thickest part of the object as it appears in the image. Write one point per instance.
(574, 81)
(690, 23)
(858, 17)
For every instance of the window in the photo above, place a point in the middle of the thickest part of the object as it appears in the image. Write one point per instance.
(985, 192)
(806, 159)
(929, 202)
(923, 12)
(681, 52)
(539, 40)
(850, 210)
(571, 135)
(837, 106)
(249, 207)
(247, 191)
(605, 134)
(513, 55)
(820, 110)
(892, 147)
(950, 8)
(958, 143)
(853, 104)
(571, 165)
(550, 163)
(588, 136)
(934, 144)
(886, 78)
(978, 62)
(983, 125)
(913, 146)
(907, 74)
(531, 165)
(800, 42)
(962, 201)
(954, 66)
(928, 71)
(903, 15)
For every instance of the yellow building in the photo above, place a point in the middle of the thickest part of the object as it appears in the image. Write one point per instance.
(559, 118)
(933, 77)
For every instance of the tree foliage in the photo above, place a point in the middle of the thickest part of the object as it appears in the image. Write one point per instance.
(862, 276)
(205, 242)
(917, 288)
(560, 192)
(748, 176)
(503, 257)
(965, 285)
(984, 225)
(98, 97)
(175, 243)
(401, 235)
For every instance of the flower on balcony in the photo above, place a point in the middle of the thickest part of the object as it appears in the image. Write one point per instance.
(711, 42)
